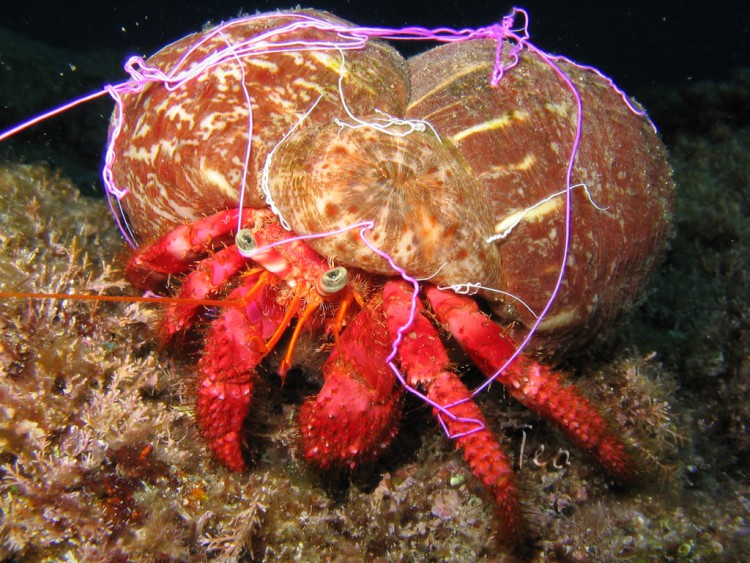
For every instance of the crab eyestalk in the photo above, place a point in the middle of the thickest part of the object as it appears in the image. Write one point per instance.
(246, 243)
(332, 282)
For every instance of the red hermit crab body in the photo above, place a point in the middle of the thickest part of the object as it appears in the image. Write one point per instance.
(241, 139)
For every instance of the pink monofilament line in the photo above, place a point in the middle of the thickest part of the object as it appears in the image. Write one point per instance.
(51, 113)
(248, 147)
(623, 96)
(110, 189)
(349, 38)
(441, 409)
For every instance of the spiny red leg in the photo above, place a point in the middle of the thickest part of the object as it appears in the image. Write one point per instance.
(354, 417)
(176, 251)
(425, 362)
(531, 383)
(227, 368)
(208, 277)
(241, 337)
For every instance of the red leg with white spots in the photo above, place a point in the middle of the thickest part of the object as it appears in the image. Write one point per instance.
(234, 346)
(531, 383)
(185, 246)
(244, 332)
(425, 363)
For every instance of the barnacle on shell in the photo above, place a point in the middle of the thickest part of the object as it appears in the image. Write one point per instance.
(427, 210)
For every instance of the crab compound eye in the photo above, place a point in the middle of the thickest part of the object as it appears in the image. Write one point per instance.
(245, 242)
(333, 281)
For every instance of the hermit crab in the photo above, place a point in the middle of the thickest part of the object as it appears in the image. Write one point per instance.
(482, 194)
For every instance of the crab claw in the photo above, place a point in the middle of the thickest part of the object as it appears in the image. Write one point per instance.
(355, 415)
(227, 367)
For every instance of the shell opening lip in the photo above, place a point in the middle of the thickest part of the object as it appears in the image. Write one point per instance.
(333, 281)
(246, 243)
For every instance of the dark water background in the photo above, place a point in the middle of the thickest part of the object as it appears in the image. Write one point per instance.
(639, 42)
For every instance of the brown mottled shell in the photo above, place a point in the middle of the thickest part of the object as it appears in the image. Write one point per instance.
(429, 212)
(517, 139)
(181, 153)
(501, 156)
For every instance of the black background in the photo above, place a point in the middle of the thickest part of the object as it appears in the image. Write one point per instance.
(639, 43)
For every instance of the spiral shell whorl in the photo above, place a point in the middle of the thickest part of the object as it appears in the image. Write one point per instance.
(429, 213)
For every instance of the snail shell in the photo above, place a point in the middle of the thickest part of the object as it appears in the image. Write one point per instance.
(494, 160)
(484, 159)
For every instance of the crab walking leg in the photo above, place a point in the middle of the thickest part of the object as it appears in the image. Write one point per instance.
(176, 251)
(227, 367)
(531, 383)
(205, 280)
(185, 245)
(355, 415)
(425, 363)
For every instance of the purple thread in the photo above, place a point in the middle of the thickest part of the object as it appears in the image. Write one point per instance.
(50, 113)
(248, 147)
(568, 205)
(441, 409)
